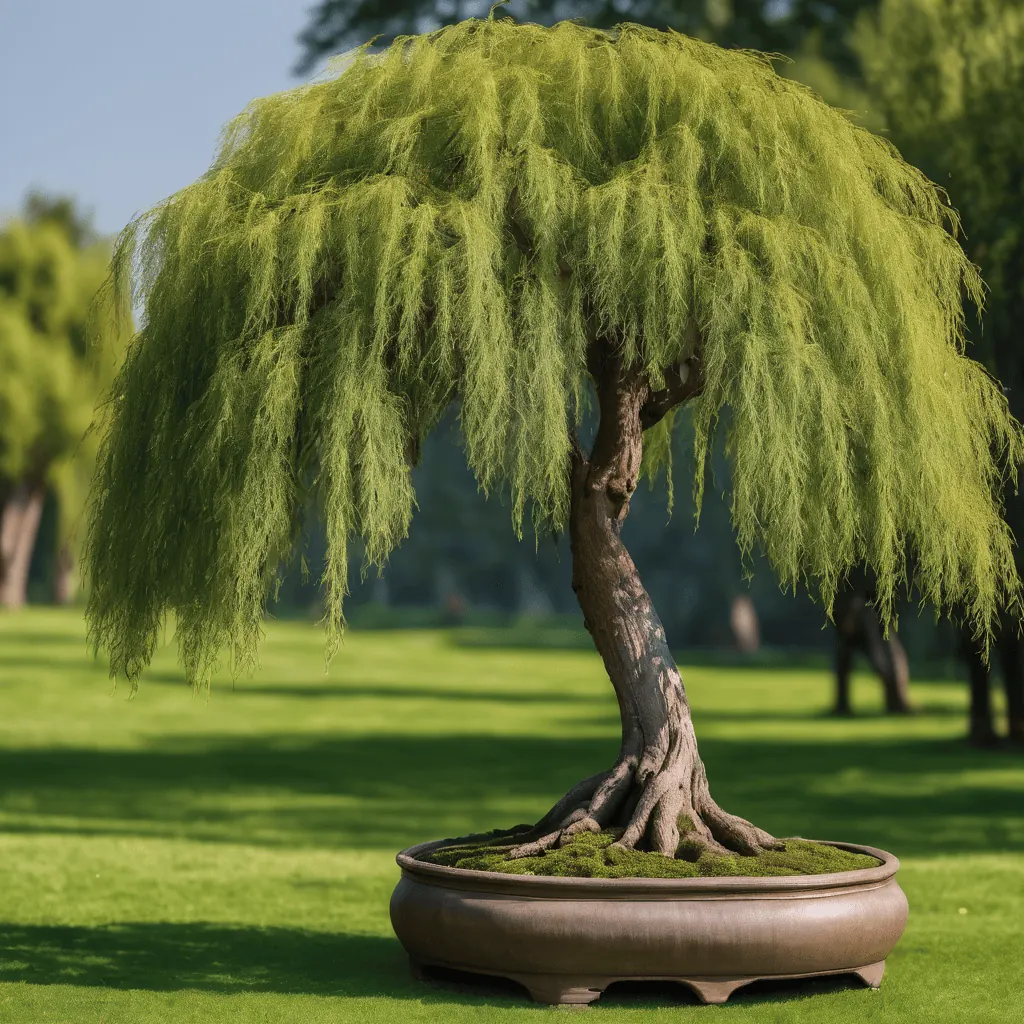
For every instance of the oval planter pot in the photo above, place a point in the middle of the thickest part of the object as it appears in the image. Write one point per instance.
(566, 939)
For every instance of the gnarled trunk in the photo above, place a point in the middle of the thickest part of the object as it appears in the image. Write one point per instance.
(19, 524)
(657, 791)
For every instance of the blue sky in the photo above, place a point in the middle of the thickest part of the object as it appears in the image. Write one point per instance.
(120, 102)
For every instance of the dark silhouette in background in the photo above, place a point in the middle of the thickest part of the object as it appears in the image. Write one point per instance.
(338, 25)
(1008, 655)
(858, 628)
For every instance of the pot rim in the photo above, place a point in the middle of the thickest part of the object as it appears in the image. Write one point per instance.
(551, 885)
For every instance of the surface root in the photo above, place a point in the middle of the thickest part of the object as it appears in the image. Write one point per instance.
(662, 814)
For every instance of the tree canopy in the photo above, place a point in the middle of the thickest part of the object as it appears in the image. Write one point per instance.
(465, 217)
(51, 268)
(948, 76)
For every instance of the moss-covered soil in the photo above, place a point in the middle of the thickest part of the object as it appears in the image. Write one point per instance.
(591, 855)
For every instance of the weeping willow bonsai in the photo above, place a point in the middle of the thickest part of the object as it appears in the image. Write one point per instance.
(509, 216)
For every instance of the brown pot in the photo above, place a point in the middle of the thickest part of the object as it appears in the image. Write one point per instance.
(567, 939)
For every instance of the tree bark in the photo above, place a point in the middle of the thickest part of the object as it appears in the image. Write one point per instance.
(657, 791)
(19, 525)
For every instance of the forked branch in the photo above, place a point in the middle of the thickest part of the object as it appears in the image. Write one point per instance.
(682, 382)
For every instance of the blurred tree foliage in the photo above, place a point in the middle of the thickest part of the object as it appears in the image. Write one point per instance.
(777, 26)
(948, 77)
(52, 265)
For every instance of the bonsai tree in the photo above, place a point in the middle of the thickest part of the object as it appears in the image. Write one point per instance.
(51, 269)
(527, 220)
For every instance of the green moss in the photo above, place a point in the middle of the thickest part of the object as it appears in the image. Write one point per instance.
(592, 856)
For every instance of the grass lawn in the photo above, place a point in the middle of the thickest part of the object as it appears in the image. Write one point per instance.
(175, 860)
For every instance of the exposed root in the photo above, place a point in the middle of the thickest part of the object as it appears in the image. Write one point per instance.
(737, 833)
(671, 812)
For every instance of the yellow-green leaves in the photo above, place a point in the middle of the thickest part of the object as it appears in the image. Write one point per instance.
(50, 376)
(367, 248)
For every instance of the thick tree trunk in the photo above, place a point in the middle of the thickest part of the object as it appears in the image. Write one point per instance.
(657, 791)
(19, 525)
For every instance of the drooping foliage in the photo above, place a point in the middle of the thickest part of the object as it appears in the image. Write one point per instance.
(51, 376)
(458, 218)
(949, 78)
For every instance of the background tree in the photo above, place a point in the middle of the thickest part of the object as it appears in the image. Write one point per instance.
(781, 26)
(858, 628)
(51, 268)
(536, 220)
(948, 77)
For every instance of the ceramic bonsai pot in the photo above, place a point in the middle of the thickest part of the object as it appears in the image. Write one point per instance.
(566, 939)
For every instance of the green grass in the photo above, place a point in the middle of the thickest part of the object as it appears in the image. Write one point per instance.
(174, 860)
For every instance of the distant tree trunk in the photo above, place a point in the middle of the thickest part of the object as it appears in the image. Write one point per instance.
(657, 791)
(743, 619)
(982, 730)
(858, 628)
(1013, 681)
(844, 662)
(19, 525)
(62, 576)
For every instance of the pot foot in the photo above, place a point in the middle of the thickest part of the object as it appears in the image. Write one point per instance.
(717, 990)
(555, 990)
(872, 974)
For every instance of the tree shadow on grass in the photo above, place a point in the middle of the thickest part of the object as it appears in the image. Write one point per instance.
(49, 638)
(420, 691)
(211, 957)
(226, 959)
(910, 795)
